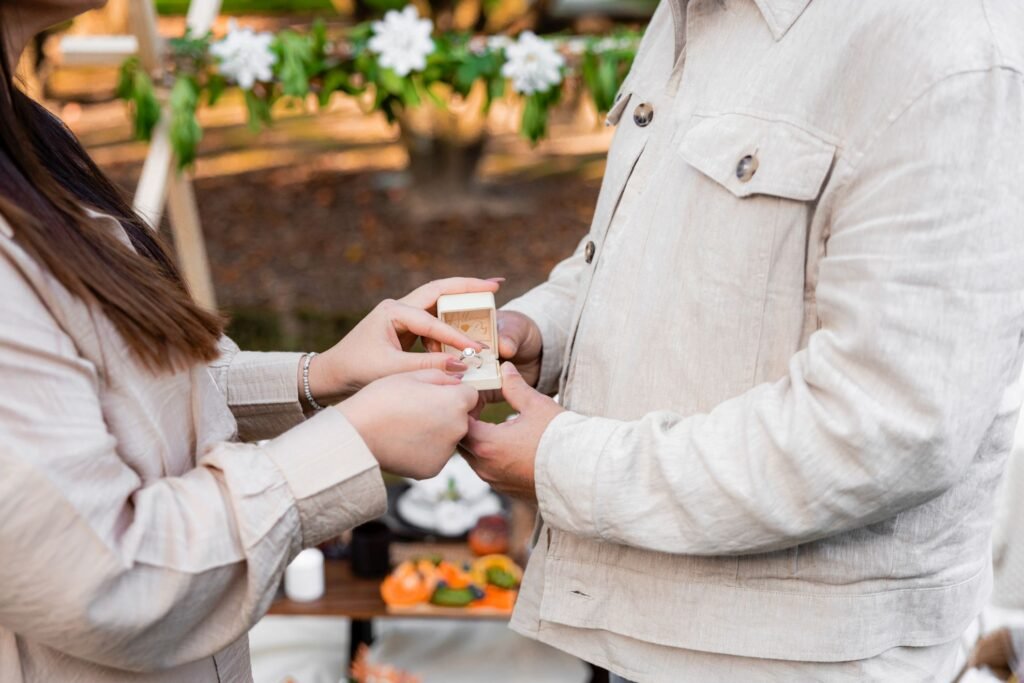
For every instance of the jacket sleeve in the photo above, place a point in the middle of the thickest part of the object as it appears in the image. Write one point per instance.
(921, 306)
(261, 389)
(142, 574)
(551, 307)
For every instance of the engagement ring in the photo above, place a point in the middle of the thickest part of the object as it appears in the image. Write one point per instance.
(470, 358)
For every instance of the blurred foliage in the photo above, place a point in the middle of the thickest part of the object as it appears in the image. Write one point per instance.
(311, 62)
(251, 6)
(259, 329)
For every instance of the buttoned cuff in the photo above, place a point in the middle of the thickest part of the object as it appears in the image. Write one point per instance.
(553, 338)
(566, 472)
(263, 393)
(333, 476)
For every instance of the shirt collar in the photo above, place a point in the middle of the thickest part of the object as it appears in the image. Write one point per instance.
(780, 15)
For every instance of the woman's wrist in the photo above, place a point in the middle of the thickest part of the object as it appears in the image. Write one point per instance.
(322, 381)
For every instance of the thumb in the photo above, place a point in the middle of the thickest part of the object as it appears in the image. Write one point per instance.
(514, 388)
(507, 346)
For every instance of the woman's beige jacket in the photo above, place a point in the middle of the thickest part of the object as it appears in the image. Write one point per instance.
(140, 535)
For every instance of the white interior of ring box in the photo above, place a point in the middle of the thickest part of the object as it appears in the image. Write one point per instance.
(474, 315)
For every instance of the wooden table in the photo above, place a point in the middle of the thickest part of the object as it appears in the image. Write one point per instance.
(347, 595)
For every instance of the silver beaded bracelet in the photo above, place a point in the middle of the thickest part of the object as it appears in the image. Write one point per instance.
(306, 360)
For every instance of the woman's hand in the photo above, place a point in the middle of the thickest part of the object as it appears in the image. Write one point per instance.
(412, 422)
(380, 344)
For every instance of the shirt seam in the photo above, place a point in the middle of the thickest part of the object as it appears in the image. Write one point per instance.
(991, 30)
(904, 108)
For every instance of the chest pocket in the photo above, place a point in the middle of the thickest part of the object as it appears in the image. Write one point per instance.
(755, 183)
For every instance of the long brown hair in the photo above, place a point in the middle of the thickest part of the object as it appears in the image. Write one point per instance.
(46, 180)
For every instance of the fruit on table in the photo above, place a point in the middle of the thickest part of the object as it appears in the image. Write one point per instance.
(411, 583)
(498, 598)
(489, 536)
(445, 596)
(490, 582)
(453, 576)
(497, 570)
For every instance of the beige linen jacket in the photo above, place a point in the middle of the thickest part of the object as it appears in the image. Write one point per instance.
(140, 538)
(1008, 536)
(791, 380)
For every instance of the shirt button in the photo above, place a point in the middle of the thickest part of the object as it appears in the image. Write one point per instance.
(746, 169)
(643, 114)
(588, 251)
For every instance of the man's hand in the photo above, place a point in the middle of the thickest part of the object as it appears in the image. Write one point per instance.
(519, 341)
(504, 455)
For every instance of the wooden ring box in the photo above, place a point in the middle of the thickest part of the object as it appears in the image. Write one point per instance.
(475, 316)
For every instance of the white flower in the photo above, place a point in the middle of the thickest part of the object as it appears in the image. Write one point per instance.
(611, 43)
(533, 66)
(403, 40)
(576, 46)
(498, 43)
(245, 56)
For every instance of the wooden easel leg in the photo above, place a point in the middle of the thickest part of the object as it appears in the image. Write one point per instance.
(188, 239)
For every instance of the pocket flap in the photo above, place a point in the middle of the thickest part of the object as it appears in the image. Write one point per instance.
(791, 162)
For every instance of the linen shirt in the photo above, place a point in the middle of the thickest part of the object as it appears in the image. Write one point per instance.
(1008, 536)
(789, 344)
(140, 536)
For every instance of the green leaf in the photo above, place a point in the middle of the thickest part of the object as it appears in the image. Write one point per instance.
(135, 87)
(215, 86)
(495, 91)
(185, 130)
(335, 80)
(384, 5)
(535, 113)
(259, 111)
(295, 62)
(410, 98)
(391, 82)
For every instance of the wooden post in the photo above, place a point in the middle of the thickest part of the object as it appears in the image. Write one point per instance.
(188, 238)
(160, 180)
(160, 183)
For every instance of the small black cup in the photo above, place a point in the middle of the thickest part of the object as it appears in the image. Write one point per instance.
(371, 550)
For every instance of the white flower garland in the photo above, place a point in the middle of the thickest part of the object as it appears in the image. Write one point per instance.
(402, 40)
(245, 56)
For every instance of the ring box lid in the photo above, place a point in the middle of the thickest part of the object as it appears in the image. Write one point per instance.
(474, 315)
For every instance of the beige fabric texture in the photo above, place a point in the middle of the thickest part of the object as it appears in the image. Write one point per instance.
(1008, 538)
(141, 536)
(791, 395)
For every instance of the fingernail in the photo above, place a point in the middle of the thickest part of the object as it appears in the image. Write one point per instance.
(483, 346)
(452, 365)
(509, 369)
(496, 279)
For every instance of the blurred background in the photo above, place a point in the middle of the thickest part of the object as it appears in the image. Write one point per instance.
(308, 222)
(311, 222)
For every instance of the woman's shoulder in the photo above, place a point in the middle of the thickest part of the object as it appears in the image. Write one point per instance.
(34, 300)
